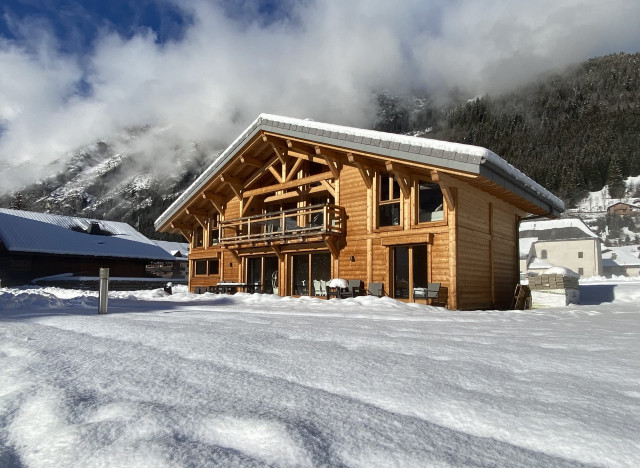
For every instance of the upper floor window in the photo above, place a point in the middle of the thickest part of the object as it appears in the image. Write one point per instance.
(214, 232)
(198, 239)
(389, 201)
(430, 202)
(580, 254)
(543, 254)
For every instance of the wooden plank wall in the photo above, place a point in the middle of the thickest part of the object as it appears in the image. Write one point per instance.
(353, 197)
(487, 255)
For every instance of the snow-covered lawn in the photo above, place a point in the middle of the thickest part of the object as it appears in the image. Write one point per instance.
(257, 380)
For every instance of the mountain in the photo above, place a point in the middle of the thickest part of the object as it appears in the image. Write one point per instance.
(572, 131)
(100, 181)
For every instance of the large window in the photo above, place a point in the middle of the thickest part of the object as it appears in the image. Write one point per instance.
(430, 202)
(262, 272)
(309, 270)
(389, 201)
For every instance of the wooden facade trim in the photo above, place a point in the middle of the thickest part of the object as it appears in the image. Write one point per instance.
(290, 184)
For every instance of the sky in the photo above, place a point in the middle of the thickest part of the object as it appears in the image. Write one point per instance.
(201, 71)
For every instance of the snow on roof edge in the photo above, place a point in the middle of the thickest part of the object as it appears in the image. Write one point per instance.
(487, 156)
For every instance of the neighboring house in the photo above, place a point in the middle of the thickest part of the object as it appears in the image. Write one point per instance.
(621, 261)
(179, 267)
(35, 245)
(293, 203)
(623, 209)
(565, 242)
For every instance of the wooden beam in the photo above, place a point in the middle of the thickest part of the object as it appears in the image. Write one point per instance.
(235, 255)
(186, 235)
(330, 188)
(329, 242)
(248, 160)
(444, 181)
(294, 194)
(278, 251)
(202, 221)
(282, 156)
(197, 212)
(185, 226)
(290, 184)
(334, 163)
(260, 172)
(294, 170)
(401, 176)
(276, 174)
(247, 204)
(234, 183)
(216, 200)
(365, 171)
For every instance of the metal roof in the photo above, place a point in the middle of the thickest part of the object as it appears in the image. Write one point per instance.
(456, 156)
(31, 232)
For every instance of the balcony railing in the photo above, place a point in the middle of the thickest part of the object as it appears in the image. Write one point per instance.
(309, 221)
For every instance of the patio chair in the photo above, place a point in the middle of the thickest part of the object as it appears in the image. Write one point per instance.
(316, 288)
(354, 289)
(376, 289)
(323, 288)
(433, 292)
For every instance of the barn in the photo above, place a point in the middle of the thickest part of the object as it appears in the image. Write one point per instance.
(292, 204)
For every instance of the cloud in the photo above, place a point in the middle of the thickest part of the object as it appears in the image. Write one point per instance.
(323, 59)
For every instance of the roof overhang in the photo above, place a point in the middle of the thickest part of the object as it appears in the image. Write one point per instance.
(456, 157)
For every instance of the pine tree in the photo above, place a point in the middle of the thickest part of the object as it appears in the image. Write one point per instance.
(615, 180)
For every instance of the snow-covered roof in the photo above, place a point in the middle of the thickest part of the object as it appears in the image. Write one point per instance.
(524, 245)
(539, 264)
(26, 231)
(556, 229)
(437, 153)
(177, 249)
(624, 256)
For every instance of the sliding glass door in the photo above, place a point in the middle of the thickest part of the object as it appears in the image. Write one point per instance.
(410, 272)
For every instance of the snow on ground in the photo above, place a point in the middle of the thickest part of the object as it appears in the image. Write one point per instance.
(258, 380)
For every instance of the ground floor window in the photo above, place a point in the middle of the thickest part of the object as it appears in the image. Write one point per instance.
(310, 272)
(262, 272)
(409, 271)
(207, 267)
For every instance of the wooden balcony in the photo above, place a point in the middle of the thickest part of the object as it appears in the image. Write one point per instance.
(310, 223)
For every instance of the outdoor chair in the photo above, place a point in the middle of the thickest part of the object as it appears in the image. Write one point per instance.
(376, 289)
(323, 288)
(316, 288)
(433, 292)
(354, 289)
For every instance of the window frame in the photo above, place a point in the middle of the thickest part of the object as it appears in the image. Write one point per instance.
(391, 181)
(416, 204)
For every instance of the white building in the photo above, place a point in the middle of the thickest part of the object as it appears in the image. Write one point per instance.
(565, 243)
(621, 261)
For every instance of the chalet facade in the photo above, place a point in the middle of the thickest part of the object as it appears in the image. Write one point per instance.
(294, 203)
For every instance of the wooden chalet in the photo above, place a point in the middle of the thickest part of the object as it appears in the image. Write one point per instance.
(293, 203)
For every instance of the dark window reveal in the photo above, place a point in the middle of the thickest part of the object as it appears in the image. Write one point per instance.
(201, 267)
(430, 202)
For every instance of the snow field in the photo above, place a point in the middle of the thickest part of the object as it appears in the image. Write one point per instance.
(257, 380)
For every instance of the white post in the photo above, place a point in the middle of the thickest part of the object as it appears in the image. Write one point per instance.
(104, 290)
